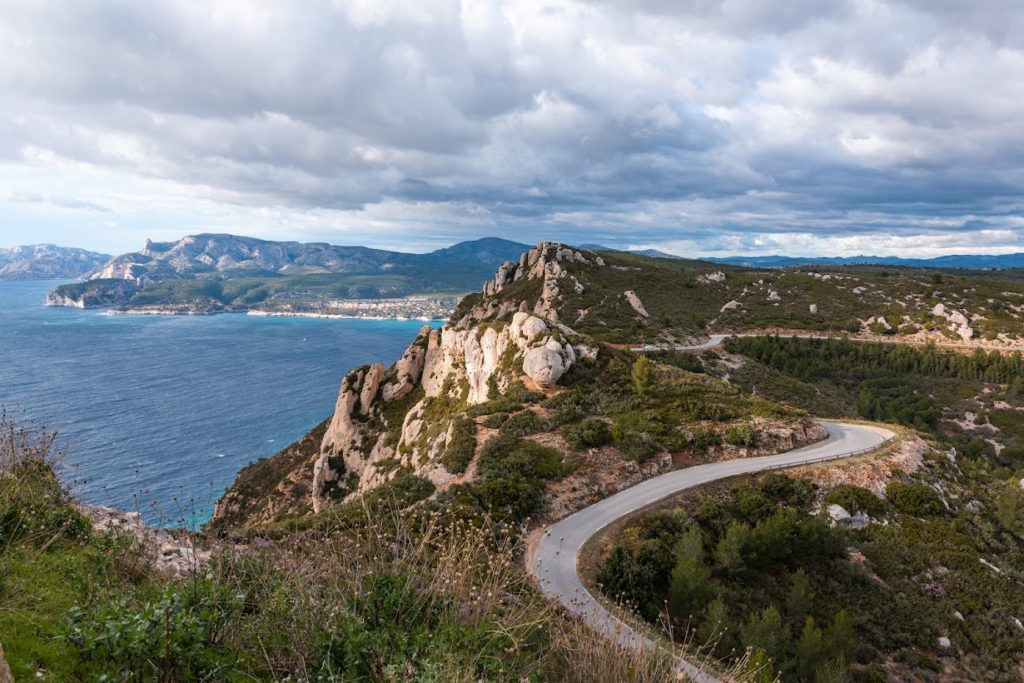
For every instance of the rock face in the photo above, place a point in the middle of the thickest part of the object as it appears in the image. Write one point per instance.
(93, 294)
(384, 420)
(546, 261)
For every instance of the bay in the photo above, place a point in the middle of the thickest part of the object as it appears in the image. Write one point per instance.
(158, 413)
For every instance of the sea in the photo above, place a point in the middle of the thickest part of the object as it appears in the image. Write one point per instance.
(159, 413)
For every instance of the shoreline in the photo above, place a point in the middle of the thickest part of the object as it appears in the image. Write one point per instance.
(271, 314)
(339, 316)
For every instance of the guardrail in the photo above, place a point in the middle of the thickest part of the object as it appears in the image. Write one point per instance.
(826, 458)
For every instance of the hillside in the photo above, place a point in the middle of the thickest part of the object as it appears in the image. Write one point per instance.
(212, 273)
(48, 262)
(390, 542)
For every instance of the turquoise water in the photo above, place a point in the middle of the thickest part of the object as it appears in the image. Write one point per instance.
(158, 413)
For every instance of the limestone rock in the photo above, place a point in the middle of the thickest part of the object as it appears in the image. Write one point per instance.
(547, 364)
(409, 368)
(635, 302)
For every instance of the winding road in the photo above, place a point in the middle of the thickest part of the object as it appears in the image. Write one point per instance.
(553, 561)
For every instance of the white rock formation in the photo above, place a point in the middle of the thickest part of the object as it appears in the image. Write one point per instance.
(708, 278)
(635, 302)
(462, 362)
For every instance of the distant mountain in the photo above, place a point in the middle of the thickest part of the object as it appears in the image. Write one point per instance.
(966, 261)
(213, 272)
(48, 262)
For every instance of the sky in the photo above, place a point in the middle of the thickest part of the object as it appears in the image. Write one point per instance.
(699, 127)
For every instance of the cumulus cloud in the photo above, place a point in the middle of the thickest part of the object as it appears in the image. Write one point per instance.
(711, 126)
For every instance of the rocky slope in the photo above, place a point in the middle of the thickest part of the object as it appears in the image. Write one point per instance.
(48, 262)
(407, 419)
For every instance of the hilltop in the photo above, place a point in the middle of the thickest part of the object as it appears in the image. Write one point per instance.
(48, 262)
(212, 273)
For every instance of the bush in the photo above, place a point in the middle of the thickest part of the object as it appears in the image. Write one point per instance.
(915, 499)
(856, 499)
(461, 448)
(504, 457)
(638, 446)
(703, 438)
(511, 498)
(167, 638)
(523, 424)
(495, 421)
(592, 433)
(742, 435)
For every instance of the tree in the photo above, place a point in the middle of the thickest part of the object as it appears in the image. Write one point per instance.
(800, 598)
(810, 650)
(764, 632)
(643, 376)
(1010, 508)
(729, 551)
(691, 585)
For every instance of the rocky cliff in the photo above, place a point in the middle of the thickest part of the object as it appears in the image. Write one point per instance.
(492, 386)
(401, 418)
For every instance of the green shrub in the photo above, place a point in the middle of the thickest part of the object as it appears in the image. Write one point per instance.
(168, 638)
(523, 424)
(495, 421)
(592, 433)
(461, 448)
(703, 438)
(505, 457)
(742, 435)
(637, 446)
(511, 498)
(914, 499)
(856, 499)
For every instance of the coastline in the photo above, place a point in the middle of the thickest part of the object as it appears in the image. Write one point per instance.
(339, 316)
(269, 314)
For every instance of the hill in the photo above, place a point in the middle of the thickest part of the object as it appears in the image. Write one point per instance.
(211, 273)
(391, 542)
(48, 262)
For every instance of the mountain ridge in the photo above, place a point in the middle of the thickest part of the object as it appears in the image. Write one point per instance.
(212, 272)
(48, 262)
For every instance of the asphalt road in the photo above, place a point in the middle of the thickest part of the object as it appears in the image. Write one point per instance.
(554, 558)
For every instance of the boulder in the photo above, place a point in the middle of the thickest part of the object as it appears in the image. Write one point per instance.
(546, 364)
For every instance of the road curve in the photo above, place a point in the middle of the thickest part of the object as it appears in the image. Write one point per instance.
(554, 558)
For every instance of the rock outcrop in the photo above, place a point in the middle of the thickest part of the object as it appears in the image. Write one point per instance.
(635, 302)
(399, 419)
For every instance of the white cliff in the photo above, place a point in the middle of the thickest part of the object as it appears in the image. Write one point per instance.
(502, 340)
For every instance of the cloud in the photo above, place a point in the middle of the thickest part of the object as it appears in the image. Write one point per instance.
(711, 124)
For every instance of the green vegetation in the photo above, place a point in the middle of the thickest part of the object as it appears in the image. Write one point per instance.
(752, 567)
(461, 447)
(388, 595)
(922, 387)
